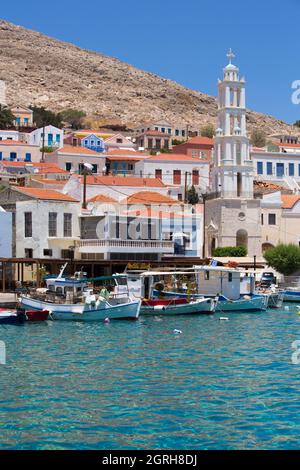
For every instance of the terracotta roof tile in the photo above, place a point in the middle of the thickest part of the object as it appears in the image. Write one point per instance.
(70, 149)
(103, 198)
(178, 157)
(124, 181)
(45, 194)
(149, 197)
(289, 200)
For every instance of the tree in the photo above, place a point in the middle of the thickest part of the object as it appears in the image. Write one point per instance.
(192, 196)
(208, 130)
(284, 258)
(73, 117)
(177, 142)
(6, 117)
(45, 117)
(258, 138)
(297, 123)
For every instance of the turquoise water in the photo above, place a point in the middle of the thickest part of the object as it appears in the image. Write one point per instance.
(137, 385)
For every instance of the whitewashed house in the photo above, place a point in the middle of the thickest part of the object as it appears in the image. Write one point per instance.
(54, 137)
(5, 234)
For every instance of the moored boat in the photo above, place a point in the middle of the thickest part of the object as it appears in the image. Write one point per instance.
(291, 295)
(11, 317)
(178, 306)
(71, 298)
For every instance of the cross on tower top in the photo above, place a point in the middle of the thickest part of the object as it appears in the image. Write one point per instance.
(230, 55)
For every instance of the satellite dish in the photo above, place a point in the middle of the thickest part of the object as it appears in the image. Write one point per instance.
(88, 166)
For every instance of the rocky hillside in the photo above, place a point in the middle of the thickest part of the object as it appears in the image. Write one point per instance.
(44, 71)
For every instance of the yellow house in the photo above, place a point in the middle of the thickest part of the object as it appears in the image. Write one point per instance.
(23, 116)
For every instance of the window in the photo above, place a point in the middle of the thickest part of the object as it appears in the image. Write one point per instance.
(166, 143)
(202, 154)
(92, 142)
(13, 156)
(28, 157)
(67, 254)
(169, 131)
(57, 138)
(179, 197)
(26, 121)
(299, 169)
(68, 166)
(195, 177)
(0, 155)
(130, 167)
(291, 169)
(98, 143)
(95, 168)
(52, 224)
(119, 141)
(176, 176)
(269, 168)
(86, 142)
(259, 168)
(28, 224)
(262, 219)
(272, 219)
(157, 143)
(158, 174)
(150, 143)
(28, 253)
(194, 153)
(176, 132)
(183, 133)
(67, 225)
(229, 277)
(47, 252)
(163, 129)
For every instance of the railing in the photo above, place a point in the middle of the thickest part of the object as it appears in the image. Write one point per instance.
(160, 244)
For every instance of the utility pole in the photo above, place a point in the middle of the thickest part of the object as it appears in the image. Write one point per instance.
(203, 248)
(43, 147)
(185, 186)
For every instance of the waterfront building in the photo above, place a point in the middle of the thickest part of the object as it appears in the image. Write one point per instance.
(196, 147)
(23, 116)
(46, 221)
(16, 151)
(71, 158)
(232, 214)
(153, 140)
(123, 162)
(179, 171)
(9, 134)
(54, 137)
(6, 229)
(176, 131)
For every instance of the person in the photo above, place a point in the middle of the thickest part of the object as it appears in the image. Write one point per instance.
(104, 292)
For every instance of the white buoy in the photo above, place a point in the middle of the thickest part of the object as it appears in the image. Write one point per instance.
(107, 320)
(177, 332)
(286, 307)
(224, 318)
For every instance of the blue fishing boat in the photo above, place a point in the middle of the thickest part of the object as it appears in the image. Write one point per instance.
(11, 317)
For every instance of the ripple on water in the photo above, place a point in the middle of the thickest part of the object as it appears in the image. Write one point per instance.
(135, 385)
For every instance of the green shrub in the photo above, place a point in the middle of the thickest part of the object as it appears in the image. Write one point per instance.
(237, 251)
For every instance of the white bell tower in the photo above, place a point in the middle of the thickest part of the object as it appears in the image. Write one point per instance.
(233, 169)
(232, 214)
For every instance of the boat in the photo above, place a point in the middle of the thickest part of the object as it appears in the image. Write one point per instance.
(142, 285)
(177, 306)
(11, 317)
(36, 315)
(291, 294)
(71, 298)
(274, 296)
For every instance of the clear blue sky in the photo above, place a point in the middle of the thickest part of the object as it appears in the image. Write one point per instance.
(185, 41)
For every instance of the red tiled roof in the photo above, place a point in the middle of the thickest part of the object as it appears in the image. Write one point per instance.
(45, 194)
(289, 200)
(70, 149)
(15, 142)
(42, 167)
(124, 181)
(282, 144)
(158, 133)
(149, 197)
(125, 152)
(103, 198)
(201, 141)
(49, 181)
(176, 156)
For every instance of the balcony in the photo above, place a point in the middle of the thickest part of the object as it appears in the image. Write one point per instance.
(125, 246)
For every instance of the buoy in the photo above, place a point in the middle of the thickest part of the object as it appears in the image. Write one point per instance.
(224, 318)
(298, 313)
(177, 332)
(107, 320)
(286, 307)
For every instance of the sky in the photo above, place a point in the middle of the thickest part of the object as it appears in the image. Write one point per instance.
(185, 41)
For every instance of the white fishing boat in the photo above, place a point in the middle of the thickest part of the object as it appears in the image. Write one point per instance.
(71, 298)
(142, 285)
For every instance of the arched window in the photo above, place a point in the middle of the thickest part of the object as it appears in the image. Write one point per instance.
(242, 238)
(238, 184)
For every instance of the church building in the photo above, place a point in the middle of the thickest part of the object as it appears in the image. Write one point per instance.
(232, 215)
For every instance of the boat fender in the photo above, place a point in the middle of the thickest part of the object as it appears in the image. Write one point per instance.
(177, 332)
(224, 318)
(246, 297)
(106, 320)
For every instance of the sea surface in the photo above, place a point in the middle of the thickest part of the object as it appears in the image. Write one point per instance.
(139, 385)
